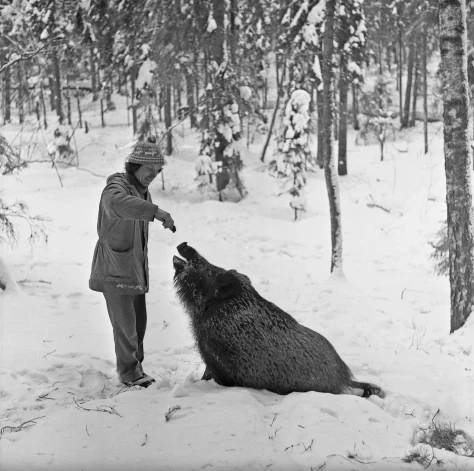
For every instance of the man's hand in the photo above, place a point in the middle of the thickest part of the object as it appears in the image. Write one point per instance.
(165, 218)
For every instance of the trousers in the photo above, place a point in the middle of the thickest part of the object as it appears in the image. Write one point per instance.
(127, 314)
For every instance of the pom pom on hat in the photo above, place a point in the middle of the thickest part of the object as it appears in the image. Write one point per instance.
(146, 153)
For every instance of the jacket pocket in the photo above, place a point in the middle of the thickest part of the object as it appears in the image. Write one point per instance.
(118, 265)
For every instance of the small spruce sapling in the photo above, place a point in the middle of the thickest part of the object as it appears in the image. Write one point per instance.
(293, 149)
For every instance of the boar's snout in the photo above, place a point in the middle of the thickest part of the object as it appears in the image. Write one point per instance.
(186, 251)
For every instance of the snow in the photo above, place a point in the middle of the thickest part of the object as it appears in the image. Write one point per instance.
(388, 316)
(353, 67)
(316, 15)
(211, 24)
(145, 74)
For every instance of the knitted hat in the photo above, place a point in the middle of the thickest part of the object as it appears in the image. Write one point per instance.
(146, 153)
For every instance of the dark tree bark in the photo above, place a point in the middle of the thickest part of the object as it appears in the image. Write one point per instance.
(355, 107)
(330, 174)
(168, 118)
(7, 113)
(57, 85)
(95, 94)
(20, 89)
(275, 110)
(425, 84)
(400, 74)
(453, 46)
(134, 99)
(416, 86)
(68, 102)
(343, 90)
(43, 104)
(190, 99)
(411, 63)
(320, 110)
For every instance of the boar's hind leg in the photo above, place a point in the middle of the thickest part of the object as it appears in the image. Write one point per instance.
(365, 389)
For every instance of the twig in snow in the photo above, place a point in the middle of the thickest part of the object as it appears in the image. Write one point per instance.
(321, 467)
(49, 353)
(300, 426)
(146, 438)
(374, 205)
(170, 411)
(308, 447)
(17, 428)
(26, 280)
(411, 413)
(88, 431)
(432, 420)
(107, 409)
(291, 446)
(274, 417)
(347, 459)
(45, 396)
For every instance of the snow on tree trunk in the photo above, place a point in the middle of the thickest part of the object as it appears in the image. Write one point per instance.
(453, 46)
(330, 172)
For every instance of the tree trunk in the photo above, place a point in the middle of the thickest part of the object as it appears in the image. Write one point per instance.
(453, 46)
(330, 174)
(134, 99)
(320, 110)
(343, 89)
(68, 101)
(355, 107)
(57, 85)
(425, 84)
(168, 118)
(79, 110)
(7, 113)
(416, 86)
(275, 111)
(411, 61)
(95, 94)
(21, 110)
(190, 99)
(43, 104)
(52, 95)
(400, 75)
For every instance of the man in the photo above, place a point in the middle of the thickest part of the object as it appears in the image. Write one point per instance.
(120, 263)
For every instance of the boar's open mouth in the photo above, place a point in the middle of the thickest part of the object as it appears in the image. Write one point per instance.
(179, 263)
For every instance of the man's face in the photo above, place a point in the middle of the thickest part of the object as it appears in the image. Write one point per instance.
(147, 173)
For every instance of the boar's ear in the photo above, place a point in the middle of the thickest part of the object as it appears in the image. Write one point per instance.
(225, 286)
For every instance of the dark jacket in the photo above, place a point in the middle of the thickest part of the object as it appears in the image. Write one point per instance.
(120, 263)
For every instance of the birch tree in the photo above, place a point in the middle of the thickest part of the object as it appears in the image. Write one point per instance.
(453, 46)
(330, 171)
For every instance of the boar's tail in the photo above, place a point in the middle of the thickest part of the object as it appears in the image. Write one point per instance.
(368, 389)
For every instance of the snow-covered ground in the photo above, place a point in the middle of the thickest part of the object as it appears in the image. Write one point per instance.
(388, 317)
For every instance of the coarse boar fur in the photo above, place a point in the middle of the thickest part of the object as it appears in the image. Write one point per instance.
(247, 341)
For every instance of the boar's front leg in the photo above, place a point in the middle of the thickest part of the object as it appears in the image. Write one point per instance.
(207, 375)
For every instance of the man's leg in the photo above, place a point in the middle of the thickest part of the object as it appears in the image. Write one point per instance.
(139, 304)
(122, 316)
